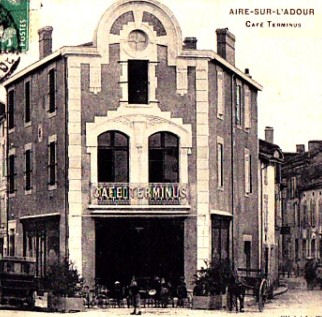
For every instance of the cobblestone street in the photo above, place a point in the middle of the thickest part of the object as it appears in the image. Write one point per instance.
(295, 303)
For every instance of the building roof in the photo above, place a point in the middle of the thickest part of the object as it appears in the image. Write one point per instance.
(87, 49)
(270, 152)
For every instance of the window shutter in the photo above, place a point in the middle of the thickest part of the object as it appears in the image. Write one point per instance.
(220, 94)
(247, 171)
(247, 108)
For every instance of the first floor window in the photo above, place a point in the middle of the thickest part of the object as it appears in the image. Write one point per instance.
(163, 158)
(113, 157)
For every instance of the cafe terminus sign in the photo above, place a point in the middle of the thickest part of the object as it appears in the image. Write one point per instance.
(153, 193)
(14, 34)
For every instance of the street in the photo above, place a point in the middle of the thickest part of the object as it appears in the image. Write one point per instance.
(294, 303)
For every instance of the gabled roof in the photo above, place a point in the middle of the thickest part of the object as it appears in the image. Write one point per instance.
(270, 152)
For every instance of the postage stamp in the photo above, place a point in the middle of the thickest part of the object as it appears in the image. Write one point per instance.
(14, 34)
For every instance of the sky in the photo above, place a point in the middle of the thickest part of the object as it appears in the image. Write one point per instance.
(286, 61)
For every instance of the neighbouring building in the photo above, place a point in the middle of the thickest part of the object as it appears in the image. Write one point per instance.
(302, 206)
(134, 154)
(270, 213)
(3, 182)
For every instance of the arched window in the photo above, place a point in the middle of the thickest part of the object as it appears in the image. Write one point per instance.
(113, 157)
(163, 158)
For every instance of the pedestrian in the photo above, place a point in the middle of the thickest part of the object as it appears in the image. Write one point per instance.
(182, 292)
(164, 294)
(135, 297)
(118, 293)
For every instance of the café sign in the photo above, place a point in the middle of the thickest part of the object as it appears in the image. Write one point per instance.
(125, 192)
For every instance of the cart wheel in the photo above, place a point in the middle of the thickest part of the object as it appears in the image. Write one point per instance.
(262, 295)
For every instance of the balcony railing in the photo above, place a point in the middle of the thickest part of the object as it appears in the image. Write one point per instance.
(139, 194)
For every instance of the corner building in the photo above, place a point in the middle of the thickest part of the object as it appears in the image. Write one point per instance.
(135, 154)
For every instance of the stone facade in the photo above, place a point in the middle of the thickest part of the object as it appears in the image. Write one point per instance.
(195, 95)
(270, 213)
(302, 206)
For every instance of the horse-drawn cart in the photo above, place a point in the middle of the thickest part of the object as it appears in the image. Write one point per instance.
(17, 281)
(254, 283)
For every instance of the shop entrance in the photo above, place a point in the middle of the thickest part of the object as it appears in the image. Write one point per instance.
(144, 248)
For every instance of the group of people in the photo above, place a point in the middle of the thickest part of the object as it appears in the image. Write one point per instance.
(160, 291)
(157, 292)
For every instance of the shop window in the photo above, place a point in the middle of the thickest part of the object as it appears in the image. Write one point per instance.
(52, 163)
(52, 90)
(41, 242)
(113, 157)
(220, 238)
(11, 173)
(28, 169)
(27, 102)
(137, 82)
(163, 158)
(11, 106)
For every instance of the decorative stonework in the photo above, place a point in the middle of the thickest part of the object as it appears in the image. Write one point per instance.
(138, 127)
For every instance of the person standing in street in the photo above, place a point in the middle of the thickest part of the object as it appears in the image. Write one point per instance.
(135, 297)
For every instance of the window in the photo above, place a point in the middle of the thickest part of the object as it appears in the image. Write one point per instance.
(247, 98)
(52, 163)
(27, 101)
(138, 82)
(28, 169)
(313, 211)
(238, 103)
(304, 248)
(11, 174)
(113, 157)
(52, 90)
(313, 248)
(12, 242)
(220, 94)
(220, 164)
(163, 158)
(296, 249)
(11, 105)
(304, 214)
(248, 172)
(220, 237)
(248, 254)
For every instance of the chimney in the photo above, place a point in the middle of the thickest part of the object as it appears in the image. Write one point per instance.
(190, 43)
(269, 134)
(226, 45)
(300, 148)
(315, 146)
(45, 41)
